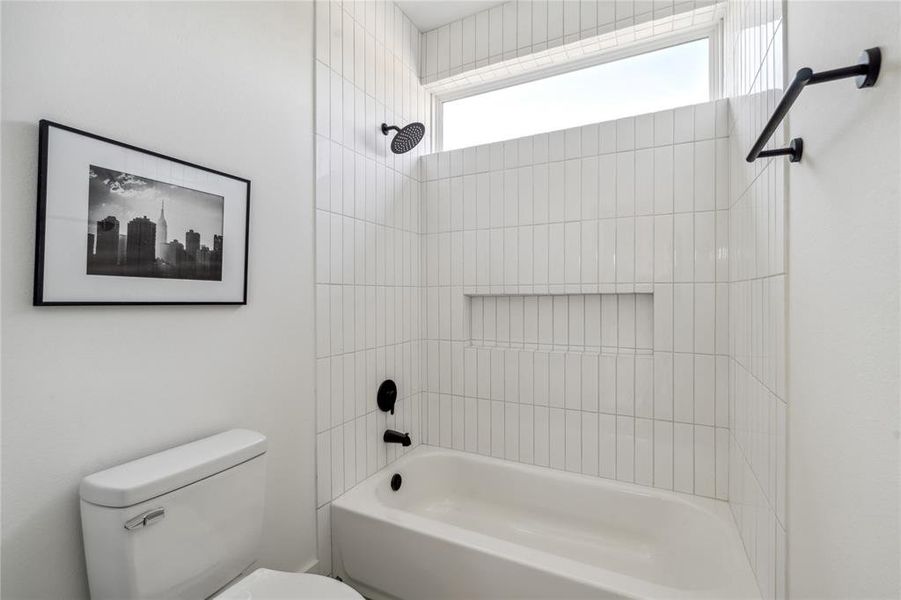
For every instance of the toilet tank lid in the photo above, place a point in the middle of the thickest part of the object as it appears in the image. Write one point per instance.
(145, 478)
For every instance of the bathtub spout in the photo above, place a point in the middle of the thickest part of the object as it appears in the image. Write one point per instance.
(396, 437)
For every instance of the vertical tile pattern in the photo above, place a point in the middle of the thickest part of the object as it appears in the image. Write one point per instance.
(514, 37)
(571, 295)
(754, 80)
(519, 285)
(367, 242)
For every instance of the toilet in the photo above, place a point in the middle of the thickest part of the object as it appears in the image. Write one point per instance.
(187, 523)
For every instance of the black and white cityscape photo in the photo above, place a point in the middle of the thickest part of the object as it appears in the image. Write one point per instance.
(139, 227)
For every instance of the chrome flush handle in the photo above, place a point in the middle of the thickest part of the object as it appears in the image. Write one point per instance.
(150, 517)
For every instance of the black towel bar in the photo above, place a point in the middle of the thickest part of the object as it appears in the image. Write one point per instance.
(866, 71)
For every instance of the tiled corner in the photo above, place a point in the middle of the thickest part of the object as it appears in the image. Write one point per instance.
(367, 242)
(754, 43)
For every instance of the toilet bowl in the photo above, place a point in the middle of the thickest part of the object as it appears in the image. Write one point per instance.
(186, 523)
(266, 584)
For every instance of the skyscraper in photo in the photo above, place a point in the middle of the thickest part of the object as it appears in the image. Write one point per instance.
(216, 257)
(140, 252)
(175, 253)
(161, 231)
(123, 239)
(107, 241)
(203, 256)
(192, 244)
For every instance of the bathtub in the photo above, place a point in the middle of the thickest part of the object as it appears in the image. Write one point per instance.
(467, 526)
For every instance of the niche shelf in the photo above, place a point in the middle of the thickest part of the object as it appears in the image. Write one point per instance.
(569, 322)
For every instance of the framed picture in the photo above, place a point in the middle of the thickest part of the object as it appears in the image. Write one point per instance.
(117, 224)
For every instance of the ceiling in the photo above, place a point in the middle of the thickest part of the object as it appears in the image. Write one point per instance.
(429, 14)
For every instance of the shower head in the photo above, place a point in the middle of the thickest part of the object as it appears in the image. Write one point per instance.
(406, 138)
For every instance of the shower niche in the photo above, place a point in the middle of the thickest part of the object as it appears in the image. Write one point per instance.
(596, 323)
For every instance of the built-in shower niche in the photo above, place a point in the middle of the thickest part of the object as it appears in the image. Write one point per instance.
(604, 323)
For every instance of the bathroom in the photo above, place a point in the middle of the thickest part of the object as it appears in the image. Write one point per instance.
(574, 299)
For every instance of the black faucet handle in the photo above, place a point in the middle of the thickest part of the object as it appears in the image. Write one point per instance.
(387, 396)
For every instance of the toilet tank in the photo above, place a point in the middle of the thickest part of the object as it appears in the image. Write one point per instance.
(181, 523)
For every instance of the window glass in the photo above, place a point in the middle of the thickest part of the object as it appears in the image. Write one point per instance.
(658, 80)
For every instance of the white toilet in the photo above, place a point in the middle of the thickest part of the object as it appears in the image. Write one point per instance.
(186, 523)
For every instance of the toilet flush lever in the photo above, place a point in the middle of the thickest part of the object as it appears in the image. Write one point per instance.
(146, 518)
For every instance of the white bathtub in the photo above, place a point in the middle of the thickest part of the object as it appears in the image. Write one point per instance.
(467, 526)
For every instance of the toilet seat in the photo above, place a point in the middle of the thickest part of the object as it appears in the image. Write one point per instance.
(266, 584)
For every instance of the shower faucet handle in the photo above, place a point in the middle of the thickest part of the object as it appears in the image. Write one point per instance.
(387, 396)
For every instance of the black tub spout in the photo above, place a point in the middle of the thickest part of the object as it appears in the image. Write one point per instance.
(396, 437)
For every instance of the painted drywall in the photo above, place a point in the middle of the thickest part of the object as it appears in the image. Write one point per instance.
(225, 85)
(843, 308)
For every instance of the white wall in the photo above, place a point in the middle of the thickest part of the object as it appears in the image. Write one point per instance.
(843, 308)
(224, 85)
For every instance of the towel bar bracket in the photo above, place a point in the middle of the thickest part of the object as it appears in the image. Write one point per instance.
(871, 58)
(865, 74)
(793, 152)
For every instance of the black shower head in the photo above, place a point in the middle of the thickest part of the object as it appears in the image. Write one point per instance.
(406, 138)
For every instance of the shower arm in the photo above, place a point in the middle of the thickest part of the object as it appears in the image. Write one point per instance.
(386, 128)
(866, 71)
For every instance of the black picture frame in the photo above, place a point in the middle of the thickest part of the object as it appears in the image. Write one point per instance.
(41, 218)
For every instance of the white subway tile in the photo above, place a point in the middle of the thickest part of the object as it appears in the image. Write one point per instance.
(644, 386)
(573, 444)
(704, 317)
(683, 177)
(663, 455)
(573, 379)
(542, 436)
(511, 431)
(663, 385)
(644, 451)
(683, 247)
(625, 385)
(607, 441)
(664, 180)
(683, 388)
(704, 461)
(704, 246)
(625, 134)
(625, 448)
(704, 390)
(556, 379)
(683, 457)
(705, 175)
(625, 184)
(498, 428)
(484, 426)
(557, 441)
(683, 130)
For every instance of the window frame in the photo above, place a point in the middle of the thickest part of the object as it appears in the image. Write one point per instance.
(711, 32)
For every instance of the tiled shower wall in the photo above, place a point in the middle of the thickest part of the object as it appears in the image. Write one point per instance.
(754, 54)
(367, 242)
(521, 35)
(576, 299)
(574, 287)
